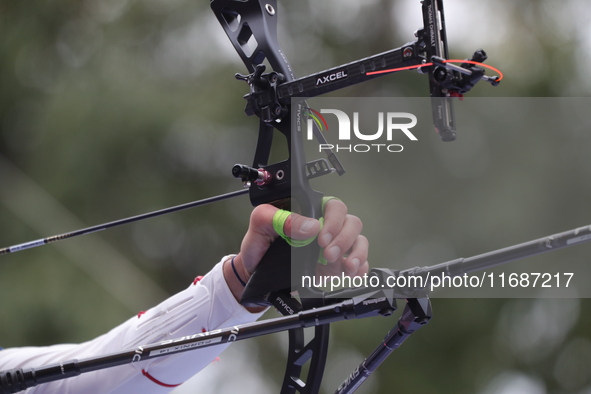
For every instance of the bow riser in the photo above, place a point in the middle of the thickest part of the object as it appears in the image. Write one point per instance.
(271, 282)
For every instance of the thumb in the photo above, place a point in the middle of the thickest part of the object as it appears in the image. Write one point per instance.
(260, 233)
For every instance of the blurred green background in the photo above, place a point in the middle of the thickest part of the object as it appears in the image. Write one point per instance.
(113, 108)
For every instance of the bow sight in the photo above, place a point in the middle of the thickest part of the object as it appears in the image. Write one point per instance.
(271, 93)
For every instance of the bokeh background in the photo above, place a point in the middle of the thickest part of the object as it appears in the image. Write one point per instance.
(112, 108)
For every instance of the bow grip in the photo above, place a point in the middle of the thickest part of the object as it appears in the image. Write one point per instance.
(281, 268)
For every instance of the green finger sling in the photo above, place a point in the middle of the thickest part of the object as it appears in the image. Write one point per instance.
(279, 222)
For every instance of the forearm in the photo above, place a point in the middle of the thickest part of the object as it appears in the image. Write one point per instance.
(207, 304)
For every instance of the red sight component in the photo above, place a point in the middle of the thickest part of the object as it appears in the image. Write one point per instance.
(446, 61)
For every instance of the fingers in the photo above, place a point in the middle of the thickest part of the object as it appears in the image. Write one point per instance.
(345, 239)
(341, 235)
(261, 220)
(357, 257)
(345, 248)
(300, 227)
(354, 264)
(296, 226)
(335, 213)
(335, 269)
(258, 237)
(261, 233)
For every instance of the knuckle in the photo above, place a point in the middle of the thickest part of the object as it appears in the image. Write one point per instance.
(337, 204)
(262, 214)
(346, 241)
(363, 239)
(355, 221)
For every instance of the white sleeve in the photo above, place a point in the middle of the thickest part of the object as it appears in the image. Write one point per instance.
(206, 305)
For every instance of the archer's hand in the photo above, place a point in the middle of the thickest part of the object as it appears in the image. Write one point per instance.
(340, 237)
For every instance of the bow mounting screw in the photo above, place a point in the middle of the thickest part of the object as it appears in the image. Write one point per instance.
(440, 74)
(270, 10)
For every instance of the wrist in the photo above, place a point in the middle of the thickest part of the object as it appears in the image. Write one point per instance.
(236, 277)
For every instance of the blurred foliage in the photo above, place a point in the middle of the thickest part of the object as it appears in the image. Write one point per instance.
(116, 107)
